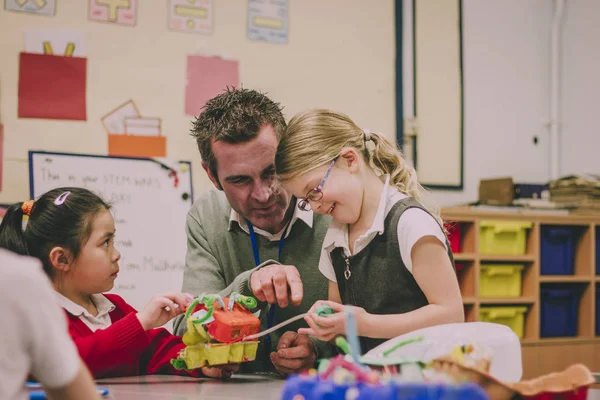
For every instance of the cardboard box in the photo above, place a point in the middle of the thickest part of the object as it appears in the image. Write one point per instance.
(503, 191)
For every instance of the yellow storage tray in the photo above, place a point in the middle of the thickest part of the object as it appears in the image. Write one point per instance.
(503, 237)
(513, 317)
(500, 280)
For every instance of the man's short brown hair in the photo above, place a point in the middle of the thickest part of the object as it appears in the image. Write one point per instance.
(234, 116)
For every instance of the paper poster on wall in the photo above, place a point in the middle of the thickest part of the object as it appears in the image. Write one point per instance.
(268, 20)
(114, 121)
(123, 12)
(206, 78)
(144, 126)
(191, 16)
(41, 7)
(52, 86)
(131, 135)
(55, 41)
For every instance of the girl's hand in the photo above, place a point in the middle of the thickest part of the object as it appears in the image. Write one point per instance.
(329, 327)
(162, 308)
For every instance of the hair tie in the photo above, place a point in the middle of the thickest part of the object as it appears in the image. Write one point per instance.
(27, 206)
(370, 145)
(367, 133)
(62, 198)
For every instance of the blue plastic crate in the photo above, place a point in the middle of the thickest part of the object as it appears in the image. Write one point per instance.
(558, 249)
(559, 309)
(597, 251)
(597, 309)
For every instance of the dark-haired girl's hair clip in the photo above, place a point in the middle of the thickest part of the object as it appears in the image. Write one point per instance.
(62, 198)
(27, 206)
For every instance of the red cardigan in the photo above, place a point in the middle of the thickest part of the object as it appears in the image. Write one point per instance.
(124, 348)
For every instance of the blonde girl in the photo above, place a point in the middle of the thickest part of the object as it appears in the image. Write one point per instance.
(385, 251)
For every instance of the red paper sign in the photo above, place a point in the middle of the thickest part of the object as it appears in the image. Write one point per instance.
(52, 87)
(206, 78)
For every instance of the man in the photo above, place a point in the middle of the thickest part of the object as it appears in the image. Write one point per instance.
(250, 236)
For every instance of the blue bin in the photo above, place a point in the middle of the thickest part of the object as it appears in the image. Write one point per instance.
(558, 249)
(559, 309)
(597, 251)
(597, 309)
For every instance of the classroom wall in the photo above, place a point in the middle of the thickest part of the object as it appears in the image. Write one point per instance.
(330, 62)
(506, 59)
(580, 87)
(506, 74)
(340, 55)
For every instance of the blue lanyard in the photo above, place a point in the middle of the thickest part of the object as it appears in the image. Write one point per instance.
(271, 314)
(255, 243)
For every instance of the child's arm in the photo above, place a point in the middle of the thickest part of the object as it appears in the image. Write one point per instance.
(435, 276)
(110, 348)
(81, 387)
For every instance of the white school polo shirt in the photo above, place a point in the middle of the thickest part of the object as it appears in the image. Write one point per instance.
(33, 334)
(100, 321)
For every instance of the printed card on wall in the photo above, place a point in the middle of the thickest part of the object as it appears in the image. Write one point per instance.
(123, 12)
(114, 121)
(206, 78)
(191, 16)
(41, 7)
(131, 135)
(268, 20)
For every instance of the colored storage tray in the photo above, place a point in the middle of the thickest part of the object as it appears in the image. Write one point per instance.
(513, 317)
(500, 280)
(557, 249)
(503, 237)
(559, 309)
(454, 236)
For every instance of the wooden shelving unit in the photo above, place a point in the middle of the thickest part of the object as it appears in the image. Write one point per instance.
(540, 355)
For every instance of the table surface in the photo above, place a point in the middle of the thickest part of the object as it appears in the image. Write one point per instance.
(251, 387)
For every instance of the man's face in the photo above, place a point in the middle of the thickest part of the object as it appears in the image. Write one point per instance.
(246, 172)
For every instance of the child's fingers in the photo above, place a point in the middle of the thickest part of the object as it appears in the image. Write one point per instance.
(327, 321)
(189, 298)
(329, 326)
(319, 330)
(178, 298)
(337, 307)
(307, 331)
(166, 304)
(327, 337)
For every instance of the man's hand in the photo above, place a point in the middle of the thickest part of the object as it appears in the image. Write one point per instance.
(277, 284)
(222, 372)
(294, 353)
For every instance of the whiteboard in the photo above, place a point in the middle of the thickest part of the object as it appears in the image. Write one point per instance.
(149, 211)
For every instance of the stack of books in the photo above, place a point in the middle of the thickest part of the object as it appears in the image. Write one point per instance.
(581, 192)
